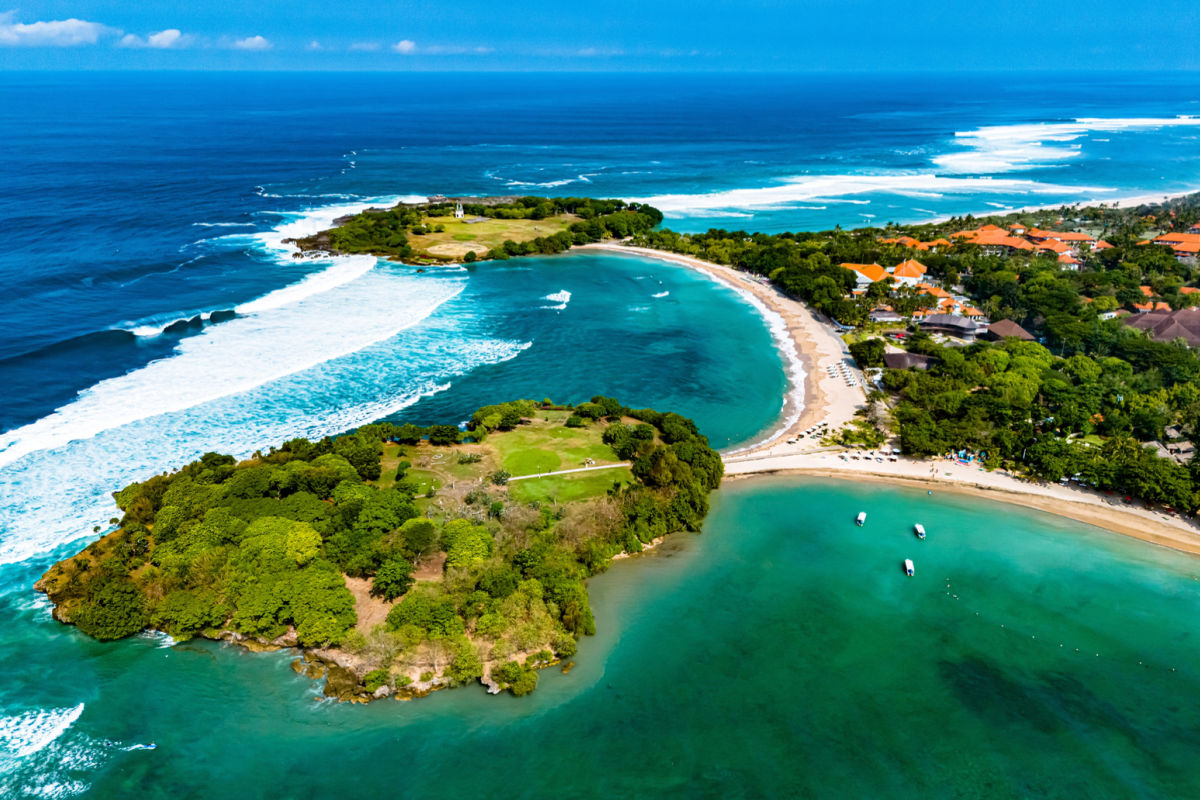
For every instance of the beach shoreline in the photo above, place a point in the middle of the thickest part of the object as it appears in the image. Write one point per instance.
(830, 399)
(1130, 521)
(807, 344)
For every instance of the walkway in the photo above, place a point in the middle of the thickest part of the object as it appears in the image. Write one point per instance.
(568, 471)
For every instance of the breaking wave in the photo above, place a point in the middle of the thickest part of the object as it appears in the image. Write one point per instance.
(994, 149)
(795, 191)
(560, 300)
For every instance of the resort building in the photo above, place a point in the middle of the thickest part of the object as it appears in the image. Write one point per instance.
(1006, 329)
(908, 272)
(885, 314)
(1164, 325)
(951, 325)
(866, 274)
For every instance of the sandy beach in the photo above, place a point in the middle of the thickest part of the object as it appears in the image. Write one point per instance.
(806, 341)
(816, 397)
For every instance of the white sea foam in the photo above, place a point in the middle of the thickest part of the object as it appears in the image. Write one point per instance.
(54, 497)
(660, 294)
(279, 336)
(221, 224)
(835, 188)
(550, 184)
(994, 149)
(25, 734)
(560, 300)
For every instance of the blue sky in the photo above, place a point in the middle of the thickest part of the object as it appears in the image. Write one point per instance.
(675, 35)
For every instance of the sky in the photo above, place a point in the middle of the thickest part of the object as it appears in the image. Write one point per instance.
(659, 35)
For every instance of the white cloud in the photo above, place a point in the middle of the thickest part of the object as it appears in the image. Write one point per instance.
(364, 47)
(405, 46)
(593, 52)
(313, 45)
(163, 40)
(55, 33)
(253, 43)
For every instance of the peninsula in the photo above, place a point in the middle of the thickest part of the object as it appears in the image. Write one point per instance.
(398, 559)
(466, 229)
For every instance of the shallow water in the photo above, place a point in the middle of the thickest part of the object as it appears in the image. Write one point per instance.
(779, 653)
(782, 652)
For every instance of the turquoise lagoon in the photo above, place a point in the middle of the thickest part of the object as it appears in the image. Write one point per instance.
(780, 653)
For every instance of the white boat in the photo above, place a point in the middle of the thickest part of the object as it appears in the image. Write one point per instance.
(919, 529)
(861, 519)
(909, 569)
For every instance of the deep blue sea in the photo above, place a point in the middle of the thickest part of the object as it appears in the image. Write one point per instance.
(133, 201)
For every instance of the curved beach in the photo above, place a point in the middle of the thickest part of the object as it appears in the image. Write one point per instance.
(825, 399)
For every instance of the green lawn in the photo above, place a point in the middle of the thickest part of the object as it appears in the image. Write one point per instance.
(566, 488)
(459, 237)
(546, 447)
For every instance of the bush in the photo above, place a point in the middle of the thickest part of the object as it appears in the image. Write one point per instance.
(868, 353)
(500, 477)
(393, 579)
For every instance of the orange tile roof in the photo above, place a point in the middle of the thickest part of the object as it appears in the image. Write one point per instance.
(1144, 241)
(1188, 290)
(1178, 238)
(1053, 246)
(1143, 306)
(873, 272)
(1085, 300)
(1162, 306)
(1146, 290)
(1067, 258)
(999, 239)
(1102, 245)
(972, 312)
(1186, 247)
(1061, 236)
(910, 269)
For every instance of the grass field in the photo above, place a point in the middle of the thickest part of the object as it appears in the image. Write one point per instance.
(461, 237)
(543, 444)
(566, 488)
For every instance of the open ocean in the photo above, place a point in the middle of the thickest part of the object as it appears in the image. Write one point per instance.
(742, 662)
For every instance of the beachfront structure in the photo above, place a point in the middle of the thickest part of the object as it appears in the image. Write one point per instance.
(951, 325)
(1006, 329)
(1164, 325)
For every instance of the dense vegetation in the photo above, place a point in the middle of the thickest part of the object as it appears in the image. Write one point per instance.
(386, 232)
(1019, 404)
(261, 549)
(1087, 401)
(1034, 290)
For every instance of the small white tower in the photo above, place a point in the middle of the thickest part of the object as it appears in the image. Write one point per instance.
(458, 212)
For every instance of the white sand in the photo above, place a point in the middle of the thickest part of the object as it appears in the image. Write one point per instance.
(824, 399)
